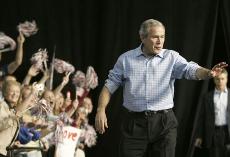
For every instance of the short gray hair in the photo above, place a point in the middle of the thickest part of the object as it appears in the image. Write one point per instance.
(147, 24)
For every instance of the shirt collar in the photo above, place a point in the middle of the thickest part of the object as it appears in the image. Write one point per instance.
(141, 53)
(218, 91)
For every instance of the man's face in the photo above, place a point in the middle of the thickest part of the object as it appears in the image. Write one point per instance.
(221, 81)
(154, 42)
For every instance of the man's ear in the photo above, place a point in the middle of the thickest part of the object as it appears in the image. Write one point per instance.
(142, 38)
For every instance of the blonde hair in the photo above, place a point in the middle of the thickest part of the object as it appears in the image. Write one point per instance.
(224, 71)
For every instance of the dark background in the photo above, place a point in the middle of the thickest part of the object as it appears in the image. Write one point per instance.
(87, 32)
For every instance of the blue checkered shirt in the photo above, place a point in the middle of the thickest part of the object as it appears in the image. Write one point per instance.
(148, 81)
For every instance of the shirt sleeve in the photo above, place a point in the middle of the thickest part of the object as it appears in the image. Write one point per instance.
(115, 77)
(6, 120)
(184, 69)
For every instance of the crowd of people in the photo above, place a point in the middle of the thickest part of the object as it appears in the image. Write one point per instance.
(36, 115)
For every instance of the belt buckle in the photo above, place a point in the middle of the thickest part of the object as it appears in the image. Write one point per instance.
(166, 111)
(150, 113)
(147, 113)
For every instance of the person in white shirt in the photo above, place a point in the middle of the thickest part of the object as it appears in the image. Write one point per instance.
(214, 119)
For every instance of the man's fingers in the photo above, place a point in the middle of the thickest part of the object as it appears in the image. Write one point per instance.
(224, 66)
(100, 128)
(221, 65)
(106, 124)
(97, 124)
(100, 125)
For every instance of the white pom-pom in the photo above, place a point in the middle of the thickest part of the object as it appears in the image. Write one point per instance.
(6, 41)
(62, 66)
(39, 57)
(91, 78)
(90, 136)
(28, 28)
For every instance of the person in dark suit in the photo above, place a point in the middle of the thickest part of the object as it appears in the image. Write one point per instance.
(214, 119)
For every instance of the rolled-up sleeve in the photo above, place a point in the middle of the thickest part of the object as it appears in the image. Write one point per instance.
(115, 76)
(191, 69)
(185, 69)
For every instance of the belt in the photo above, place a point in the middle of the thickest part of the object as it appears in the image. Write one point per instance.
(149, 112)
(221, 127)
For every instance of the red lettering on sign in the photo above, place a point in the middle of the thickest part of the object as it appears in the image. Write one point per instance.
(70, 135)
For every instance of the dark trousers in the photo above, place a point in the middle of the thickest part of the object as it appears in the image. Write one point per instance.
(220, 142)
(148, 135)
